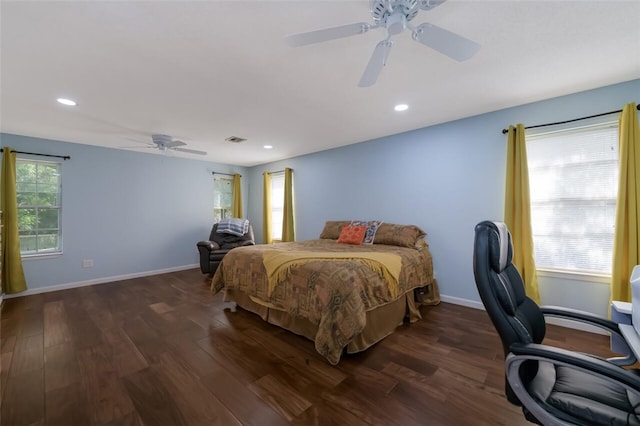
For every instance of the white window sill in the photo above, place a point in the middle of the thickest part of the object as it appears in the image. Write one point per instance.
(39, 256)
(574, 275)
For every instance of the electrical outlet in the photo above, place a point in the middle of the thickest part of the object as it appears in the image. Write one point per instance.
(87, 263)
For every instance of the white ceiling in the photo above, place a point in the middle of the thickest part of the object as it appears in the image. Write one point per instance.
(202, 71)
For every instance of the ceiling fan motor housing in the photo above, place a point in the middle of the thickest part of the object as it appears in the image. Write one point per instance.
(161, 139)
(381, 10)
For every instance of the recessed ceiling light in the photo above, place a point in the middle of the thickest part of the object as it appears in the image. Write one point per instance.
(401, 107)
(68, 102)
(268, 146)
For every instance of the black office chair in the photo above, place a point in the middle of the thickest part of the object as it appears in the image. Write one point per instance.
(552, 385)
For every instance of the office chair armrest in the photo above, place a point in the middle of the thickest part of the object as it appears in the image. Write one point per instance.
(595, 321)
(576, 360)
(520, 353)
(580, 316)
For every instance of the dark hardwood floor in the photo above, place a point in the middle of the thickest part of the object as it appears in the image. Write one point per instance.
(162, 350)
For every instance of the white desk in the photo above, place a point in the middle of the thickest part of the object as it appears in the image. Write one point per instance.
(620, 313)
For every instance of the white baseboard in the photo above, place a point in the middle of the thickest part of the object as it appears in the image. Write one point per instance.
(447, 299)
(463, 302)
(104, 280)
(549, 320)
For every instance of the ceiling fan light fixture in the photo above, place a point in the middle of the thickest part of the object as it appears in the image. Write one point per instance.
(396, 23)
(401, 107)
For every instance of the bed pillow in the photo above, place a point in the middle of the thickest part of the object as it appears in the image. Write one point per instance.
(398, 235)
(352, 234)
(372, 227)
(332, 229)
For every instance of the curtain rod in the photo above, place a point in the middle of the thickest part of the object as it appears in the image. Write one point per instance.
(277, 171)
(504, 131)
(64, 157)
(226, 174)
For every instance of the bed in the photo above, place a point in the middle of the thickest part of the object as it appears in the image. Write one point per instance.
(344, 297)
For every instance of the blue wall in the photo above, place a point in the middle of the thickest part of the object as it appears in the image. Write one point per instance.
(444, 178)
(132, 213)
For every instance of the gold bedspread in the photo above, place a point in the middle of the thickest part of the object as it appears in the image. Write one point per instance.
(335, 295)
(278, 264)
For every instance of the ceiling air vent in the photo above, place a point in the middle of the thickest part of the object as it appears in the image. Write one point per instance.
(235, 139)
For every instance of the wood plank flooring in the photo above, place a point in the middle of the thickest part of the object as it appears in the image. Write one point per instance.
(162, 350)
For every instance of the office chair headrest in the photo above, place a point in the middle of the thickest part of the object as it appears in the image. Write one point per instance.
(500, 249)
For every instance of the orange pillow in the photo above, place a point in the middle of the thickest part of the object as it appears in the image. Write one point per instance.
(352, 234)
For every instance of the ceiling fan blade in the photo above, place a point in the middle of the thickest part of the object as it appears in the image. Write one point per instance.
(318, 36)
(138, 147)
(430, 4)
(173, 144)
(376, 63)
(444, 41)
(190, 151)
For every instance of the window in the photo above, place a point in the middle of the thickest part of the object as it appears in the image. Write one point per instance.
(222, 198)
(39, 192)
(573, 179)
(277, 205)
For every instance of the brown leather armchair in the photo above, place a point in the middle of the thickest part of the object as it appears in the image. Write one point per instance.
(219, 244)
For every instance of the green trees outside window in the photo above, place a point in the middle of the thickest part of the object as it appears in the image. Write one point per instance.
(38, 187)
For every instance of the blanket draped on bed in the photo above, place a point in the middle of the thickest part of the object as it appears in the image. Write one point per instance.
(278, 264)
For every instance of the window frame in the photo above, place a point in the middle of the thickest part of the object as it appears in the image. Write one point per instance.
(567, 273)
(27, 255)
(277, 209)
(226, 212)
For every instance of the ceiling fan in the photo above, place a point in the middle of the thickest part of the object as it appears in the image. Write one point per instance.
(395, 16)
(166, 143)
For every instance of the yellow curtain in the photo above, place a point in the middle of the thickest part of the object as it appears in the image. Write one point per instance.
(288, 231)
(517, 210)
(12, 274)
(626, 253)
(266, 209)
(237, 196)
